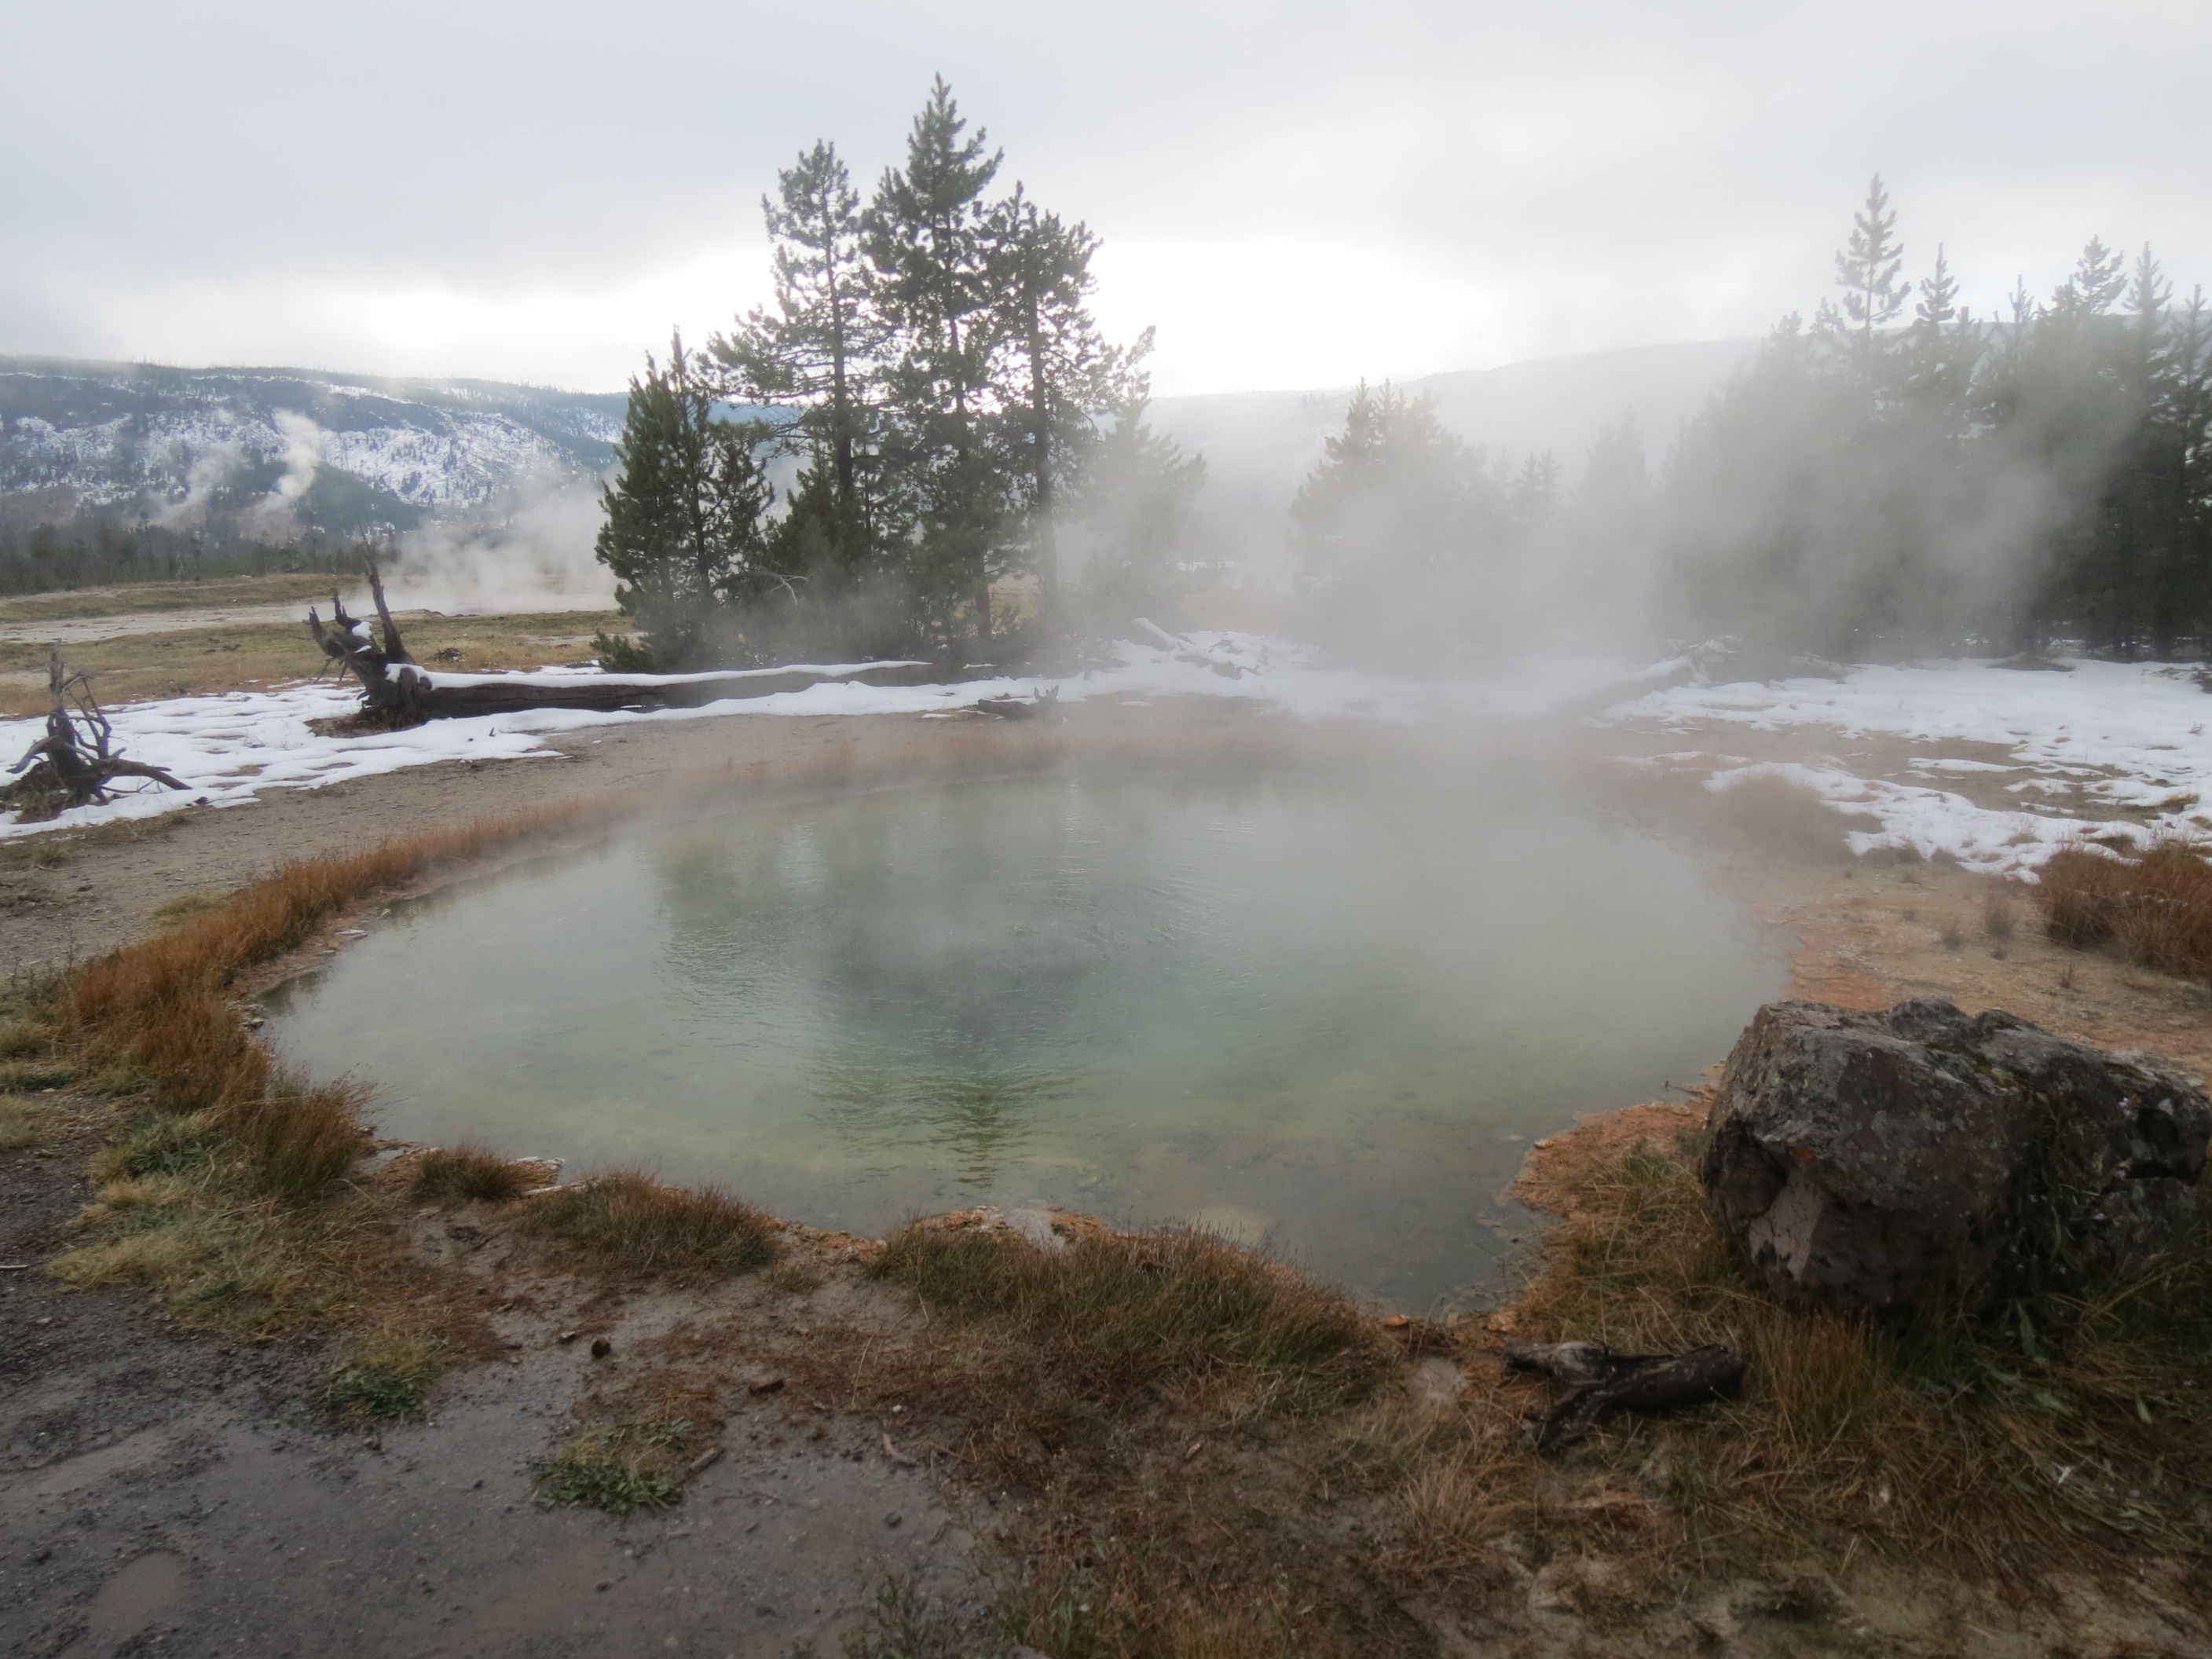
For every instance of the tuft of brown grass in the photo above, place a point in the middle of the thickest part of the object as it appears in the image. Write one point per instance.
(1116, 1317)
(626, 1219)
(447, 1175)
(1997, 917)
(2155, 910)
(25, 1122)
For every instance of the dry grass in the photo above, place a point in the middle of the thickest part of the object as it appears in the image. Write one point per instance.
(1145, 1393)
(227, 1192)
(229, 657)
(184, 908)
(134, 599)
(26, 1122)
(1116, 1318)
(2073, 1434)
(626, 1220)
(1775, 815)
(1998, 919)
(447, 1175)
(2155, 910)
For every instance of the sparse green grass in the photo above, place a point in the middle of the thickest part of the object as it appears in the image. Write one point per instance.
(624, 1219)
(904, 1623)
(621, 1466)
(388, 1379)
(216, 1255)
(160, 1144)
(36, 1072)
(446, 1176)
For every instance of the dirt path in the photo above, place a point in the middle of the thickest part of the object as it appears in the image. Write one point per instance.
(162, 1492)
(78, 630)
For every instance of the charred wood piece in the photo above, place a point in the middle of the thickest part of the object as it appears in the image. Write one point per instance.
(1600, 1382)
(77, 762)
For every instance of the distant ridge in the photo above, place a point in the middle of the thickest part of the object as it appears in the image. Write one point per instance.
(344, 453)
(352, 454)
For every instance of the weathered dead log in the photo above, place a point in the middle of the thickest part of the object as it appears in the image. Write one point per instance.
(1044, 706)
(1601, 1382)
(398, 691)
(76, 763)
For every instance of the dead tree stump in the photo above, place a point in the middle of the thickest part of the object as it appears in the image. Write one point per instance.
(76, 763)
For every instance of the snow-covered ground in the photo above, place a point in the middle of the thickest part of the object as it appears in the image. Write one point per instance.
(227, 748)
(2121, 745)
(2106, 748)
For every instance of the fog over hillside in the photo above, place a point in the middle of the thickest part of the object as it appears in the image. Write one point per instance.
(349, 454)
(1258, 444)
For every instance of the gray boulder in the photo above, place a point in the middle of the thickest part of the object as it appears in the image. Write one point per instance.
(1879, 1160)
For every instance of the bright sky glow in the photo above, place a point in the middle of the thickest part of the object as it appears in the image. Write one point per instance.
(1296, 194)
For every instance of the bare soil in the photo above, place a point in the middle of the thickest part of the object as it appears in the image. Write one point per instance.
(173, 1491)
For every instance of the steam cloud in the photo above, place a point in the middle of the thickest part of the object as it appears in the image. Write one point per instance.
(537, 558)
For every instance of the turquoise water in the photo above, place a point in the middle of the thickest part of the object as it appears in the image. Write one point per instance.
(1331, 1012)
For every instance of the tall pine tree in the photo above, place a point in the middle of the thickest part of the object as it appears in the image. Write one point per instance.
(926, 234)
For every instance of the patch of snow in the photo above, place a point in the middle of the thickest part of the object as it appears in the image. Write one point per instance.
(227, 748)
(2129, 738)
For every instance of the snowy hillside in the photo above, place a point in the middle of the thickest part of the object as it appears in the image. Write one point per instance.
(345, 453)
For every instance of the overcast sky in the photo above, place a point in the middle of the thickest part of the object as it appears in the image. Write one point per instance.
(1296, 194)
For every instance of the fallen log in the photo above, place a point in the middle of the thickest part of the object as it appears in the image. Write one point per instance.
(398, 691)
(1601, 1382)
(76, 763)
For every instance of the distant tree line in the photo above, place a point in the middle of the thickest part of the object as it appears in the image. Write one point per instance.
(1898, 477)
(94, 550)
(886, 458)
(1903, 476)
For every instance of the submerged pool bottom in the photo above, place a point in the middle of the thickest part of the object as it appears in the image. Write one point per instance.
(1327, 1012)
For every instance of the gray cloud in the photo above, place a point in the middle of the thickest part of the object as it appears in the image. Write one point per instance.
(538, 191)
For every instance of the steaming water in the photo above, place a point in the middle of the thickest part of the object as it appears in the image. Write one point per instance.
(1331, 1012)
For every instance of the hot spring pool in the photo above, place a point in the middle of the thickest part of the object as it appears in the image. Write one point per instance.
(1333, 1011)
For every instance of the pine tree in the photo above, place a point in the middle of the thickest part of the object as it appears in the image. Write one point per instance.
(1395, 492)
(684, 517)
(1533, 497)
(1866, 272)
(1132, 499)
(1941, 351)
(1062, 376)
(815, 348)
(925, 233)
